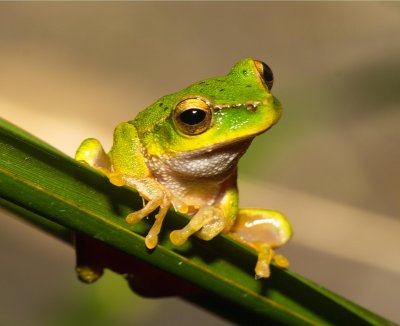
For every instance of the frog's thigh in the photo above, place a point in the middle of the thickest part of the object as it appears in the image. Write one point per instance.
(92, 153)
(262, 225)
(262, 230)
(207, 222)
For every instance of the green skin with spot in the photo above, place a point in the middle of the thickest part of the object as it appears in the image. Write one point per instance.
(196, 172)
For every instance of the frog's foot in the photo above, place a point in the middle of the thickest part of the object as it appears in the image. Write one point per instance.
(88, 274)
(206, 223)
(265, 255)
(92, 153)
(158, 197)
(262, 230)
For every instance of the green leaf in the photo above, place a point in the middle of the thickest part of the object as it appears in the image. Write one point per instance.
(59, 194)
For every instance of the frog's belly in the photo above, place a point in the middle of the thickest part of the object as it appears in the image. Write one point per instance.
(194, 192)
(199, 193)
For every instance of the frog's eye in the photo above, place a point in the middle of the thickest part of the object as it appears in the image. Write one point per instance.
(265, 73)
(192, 116)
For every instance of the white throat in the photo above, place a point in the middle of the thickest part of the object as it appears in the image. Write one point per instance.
(208, 162)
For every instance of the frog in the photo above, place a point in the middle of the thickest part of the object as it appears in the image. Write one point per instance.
(182, 153)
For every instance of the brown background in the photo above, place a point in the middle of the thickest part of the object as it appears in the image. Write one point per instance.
(73, 70)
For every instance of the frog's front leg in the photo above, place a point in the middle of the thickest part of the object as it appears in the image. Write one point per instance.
(210, 221)
(130, 168)
(157, 197)
(262, 230)
(125, 165)
(207, 223)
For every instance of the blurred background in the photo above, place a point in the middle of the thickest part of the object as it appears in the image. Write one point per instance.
(69, 71)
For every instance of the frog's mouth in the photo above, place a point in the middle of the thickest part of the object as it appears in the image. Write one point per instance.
(238, 144)
(231, 146)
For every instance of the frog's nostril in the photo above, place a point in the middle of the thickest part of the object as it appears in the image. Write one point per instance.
(265, 73)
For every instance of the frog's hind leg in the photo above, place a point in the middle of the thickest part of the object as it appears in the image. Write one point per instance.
(263, 230)
(92, 153)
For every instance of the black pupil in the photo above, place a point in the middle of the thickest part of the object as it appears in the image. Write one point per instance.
(192, 116)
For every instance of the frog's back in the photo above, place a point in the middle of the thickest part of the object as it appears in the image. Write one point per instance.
(155, 114)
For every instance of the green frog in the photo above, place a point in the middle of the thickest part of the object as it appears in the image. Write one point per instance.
(182, 153)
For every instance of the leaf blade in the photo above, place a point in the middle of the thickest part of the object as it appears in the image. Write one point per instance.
(48, 183)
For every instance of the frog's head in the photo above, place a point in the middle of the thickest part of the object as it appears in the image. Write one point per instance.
(212, 113)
